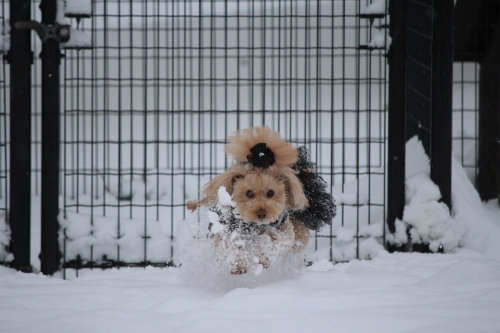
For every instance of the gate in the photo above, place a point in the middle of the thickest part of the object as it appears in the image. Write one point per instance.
(149, 91)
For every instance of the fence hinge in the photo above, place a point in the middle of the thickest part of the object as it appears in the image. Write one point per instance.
(59, 32)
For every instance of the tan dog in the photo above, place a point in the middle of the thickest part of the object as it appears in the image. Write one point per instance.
(263, 188)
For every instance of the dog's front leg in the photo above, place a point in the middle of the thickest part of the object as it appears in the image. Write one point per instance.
(275, 242)
(230, 249)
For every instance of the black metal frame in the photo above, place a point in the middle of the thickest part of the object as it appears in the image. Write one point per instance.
(20, 59)
(397, 108)
(50, 254)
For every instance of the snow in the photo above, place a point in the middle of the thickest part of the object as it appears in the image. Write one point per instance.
(78, 7)
(380, 40)
(392, 293)
(469, 224)
(82, 231)
(78, 39)
(376, 7)
(351, 199)
(224, 197)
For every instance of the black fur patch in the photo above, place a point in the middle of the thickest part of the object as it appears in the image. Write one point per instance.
(322, 207)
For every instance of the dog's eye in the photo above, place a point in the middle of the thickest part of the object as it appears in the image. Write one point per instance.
(270, 194)
(250, 194)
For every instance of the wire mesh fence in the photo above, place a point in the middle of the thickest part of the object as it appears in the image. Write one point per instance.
(148, 107)
(465, 116)
(150, 91)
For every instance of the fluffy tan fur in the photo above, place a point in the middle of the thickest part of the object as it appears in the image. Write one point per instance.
(227, 179)
(240, 144)
(296, 198)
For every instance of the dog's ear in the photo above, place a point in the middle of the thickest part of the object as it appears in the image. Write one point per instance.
(296, 199)
(227, 179)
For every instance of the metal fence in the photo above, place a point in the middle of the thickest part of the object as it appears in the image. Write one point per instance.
(147, 110)
(150, 90)
(147, 104)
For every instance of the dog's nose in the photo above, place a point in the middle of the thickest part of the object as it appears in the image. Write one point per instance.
(261, 214)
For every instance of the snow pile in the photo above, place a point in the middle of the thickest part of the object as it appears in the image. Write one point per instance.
(470, 225)
(5, 256)
(481, 221)
(103, 238)
(78, 39)
(78, 7)
(380, 40)
(5, 35)
(376, 7)
(428, 220)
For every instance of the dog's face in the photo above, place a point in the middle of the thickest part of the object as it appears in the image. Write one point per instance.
(260, 197)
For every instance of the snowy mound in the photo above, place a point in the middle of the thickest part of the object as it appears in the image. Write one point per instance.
(5, 256)
(430, 222)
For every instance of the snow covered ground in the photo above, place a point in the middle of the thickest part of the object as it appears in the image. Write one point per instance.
(392, 293)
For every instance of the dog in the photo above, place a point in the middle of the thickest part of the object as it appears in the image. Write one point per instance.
(266, 203)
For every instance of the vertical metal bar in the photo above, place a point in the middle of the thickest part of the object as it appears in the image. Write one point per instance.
(50, 254)
(20, 58)
(396, 118)
(488, 178)
(442, 94)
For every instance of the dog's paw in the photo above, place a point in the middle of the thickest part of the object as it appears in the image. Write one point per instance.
(192, 205)
(264, 261)
(239, 267)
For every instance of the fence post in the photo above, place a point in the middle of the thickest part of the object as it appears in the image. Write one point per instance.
(50, 254)
(442, 95)
(488, 178)
(20, 58)
(397, 109)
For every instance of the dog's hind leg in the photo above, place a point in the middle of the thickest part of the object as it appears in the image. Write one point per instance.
(301, 236)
